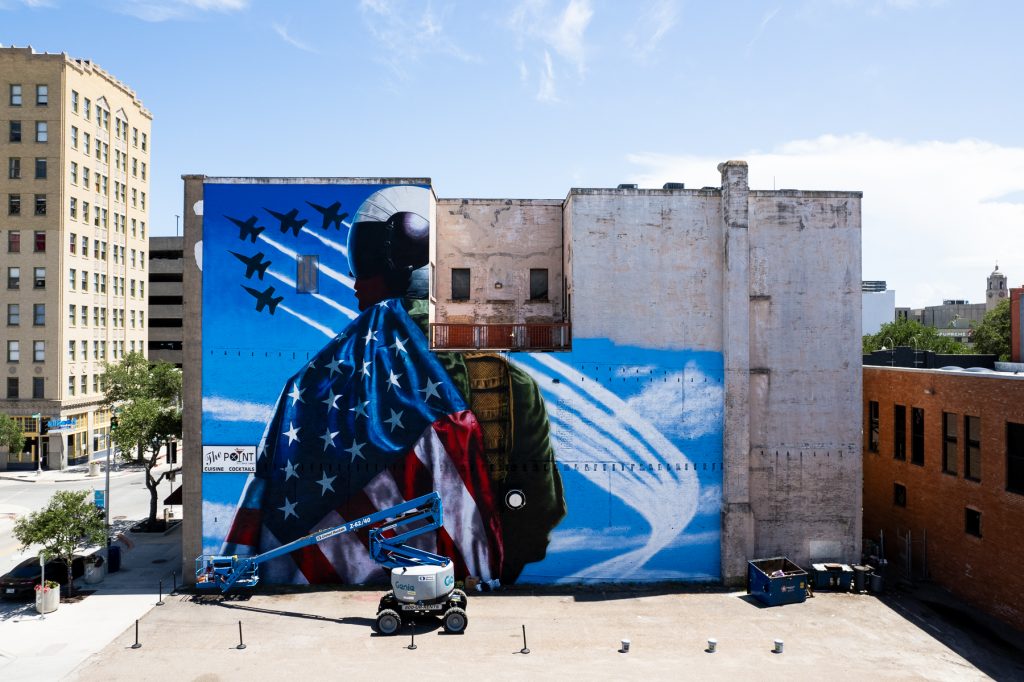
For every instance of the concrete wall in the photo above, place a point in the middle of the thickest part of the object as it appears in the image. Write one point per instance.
(878, 308)
(499, 240)
(805, 342)
(979, 570)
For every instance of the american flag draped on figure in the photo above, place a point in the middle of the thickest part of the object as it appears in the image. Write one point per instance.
(373, 420)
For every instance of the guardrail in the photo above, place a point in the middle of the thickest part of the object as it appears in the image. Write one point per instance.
(517, 337)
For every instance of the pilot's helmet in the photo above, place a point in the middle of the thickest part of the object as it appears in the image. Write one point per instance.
(390, 237)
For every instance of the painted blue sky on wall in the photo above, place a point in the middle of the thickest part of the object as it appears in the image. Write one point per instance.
(637, 432)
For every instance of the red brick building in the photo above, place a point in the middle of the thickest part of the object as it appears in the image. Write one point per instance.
(944, 480)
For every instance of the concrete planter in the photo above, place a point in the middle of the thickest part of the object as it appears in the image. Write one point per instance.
(47, 599)
(95, 573)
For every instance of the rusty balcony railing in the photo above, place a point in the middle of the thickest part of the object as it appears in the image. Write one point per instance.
(517, 337)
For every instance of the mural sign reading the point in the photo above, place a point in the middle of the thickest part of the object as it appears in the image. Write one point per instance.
(603, 463)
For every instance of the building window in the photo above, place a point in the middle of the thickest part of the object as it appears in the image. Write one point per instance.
(39, 314)
(14, 278)
(13, 314)
(899, 495)
(73, 208)
(13, 351)
(899, 432)
(538, 284)
(14, 241)
(38, 388)
(972, 522)
(38, 278)
(71, 380)
(74, 101)
(72, 319)
(12, 388)
(87, 108)
(86, 144)
(949, 453)
(85, 240)
(13, 204)
(873, 426)
(143, 141)
(39, 351)
(972, 448)
(85, 316)
(71, 279)
(15, 98)
(39, 241)
(917, 436)
(40, 168)
(40, 204)
(74, 137)
(460, 284)
(1015, 457)
(42, 131)
(15, 131)
(307, 277)
(42, 95)
(14, 168)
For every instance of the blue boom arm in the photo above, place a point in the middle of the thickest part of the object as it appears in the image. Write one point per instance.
(389, 530)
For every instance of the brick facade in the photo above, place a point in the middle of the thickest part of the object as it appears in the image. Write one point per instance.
(984, 571)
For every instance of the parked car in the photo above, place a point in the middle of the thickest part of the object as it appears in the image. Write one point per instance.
(20, 582)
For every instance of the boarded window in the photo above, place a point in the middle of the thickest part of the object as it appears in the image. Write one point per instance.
(1015, 457)
(873, 426)
(899, 495)
(972, 448)
(460, 284)
(538, 284)
(949, 437)
(917, 436)
(307, 279)
(899, 432)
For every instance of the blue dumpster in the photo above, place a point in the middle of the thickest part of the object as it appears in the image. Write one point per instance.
(113, 559)
(776, 580)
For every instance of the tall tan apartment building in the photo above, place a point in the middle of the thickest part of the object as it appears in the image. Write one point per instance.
(75, 142)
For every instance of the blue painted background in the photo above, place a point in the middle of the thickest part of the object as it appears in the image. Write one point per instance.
(637, 431)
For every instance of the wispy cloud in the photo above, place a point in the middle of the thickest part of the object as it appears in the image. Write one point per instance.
(228, 410)
(168, 10)
(548, 30)
(687, 404)
(282, 32)
(650, 27)
(409, 31)
(945, 202)
(765, 20)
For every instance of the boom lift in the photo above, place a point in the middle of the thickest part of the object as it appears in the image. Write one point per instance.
(422, 582)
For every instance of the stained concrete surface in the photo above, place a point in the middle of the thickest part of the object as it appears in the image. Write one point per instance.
(570, 633)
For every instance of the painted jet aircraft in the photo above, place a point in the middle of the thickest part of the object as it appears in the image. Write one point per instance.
(247, 228)
(288, 220)
(330, 214)
(253, 264)
(265, 298)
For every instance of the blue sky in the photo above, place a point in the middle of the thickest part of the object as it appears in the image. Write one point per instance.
(915, 102)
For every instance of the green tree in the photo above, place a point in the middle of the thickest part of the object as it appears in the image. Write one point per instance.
(11, 434)
(913, 334)
(992, 335)
(147, 400)
(68, 523)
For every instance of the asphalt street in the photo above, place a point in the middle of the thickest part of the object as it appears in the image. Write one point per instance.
(129, 503)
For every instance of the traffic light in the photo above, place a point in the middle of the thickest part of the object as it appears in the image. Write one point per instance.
(113, 422)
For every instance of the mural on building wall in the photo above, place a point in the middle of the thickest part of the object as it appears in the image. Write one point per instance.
(322, 402)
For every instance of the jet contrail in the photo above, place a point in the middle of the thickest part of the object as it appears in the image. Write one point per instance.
(330, 272)
(312, 323)
(340, 248)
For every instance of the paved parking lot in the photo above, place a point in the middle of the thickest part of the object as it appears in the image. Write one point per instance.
(328, 635)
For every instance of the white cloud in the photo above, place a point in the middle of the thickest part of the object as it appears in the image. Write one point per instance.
(227, 410)
(166, 10)
(282, 32)
(936, 215)
(687, 404)
(651, 25)
(409, 31)
(612, 538)
(538, 26)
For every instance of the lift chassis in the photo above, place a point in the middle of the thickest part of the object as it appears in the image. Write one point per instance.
(422, 583)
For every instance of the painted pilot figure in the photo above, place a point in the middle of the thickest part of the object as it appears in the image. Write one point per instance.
(377, 418)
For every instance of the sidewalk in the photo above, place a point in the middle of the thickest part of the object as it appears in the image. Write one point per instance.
(80, 472)
(37, 648)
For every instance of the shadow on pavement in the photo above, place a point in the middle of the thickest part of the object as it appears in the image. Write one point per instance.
(17, 610)
(990, 645)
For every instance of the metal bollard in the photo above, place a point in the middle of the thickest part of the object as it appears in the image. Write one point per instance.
(136, 645)
(160, 600)
(412, 634)
(524, 650)
(241, 643)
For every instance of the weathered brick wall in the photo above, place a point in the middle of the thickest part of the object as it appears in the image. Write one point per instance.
(984, 571)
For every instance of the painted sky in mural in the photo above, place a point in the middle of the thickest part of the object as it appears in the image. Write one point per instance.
(353, 412)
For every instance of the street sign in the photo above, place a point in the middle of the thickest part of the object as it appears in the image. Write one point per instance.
(99, 498)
